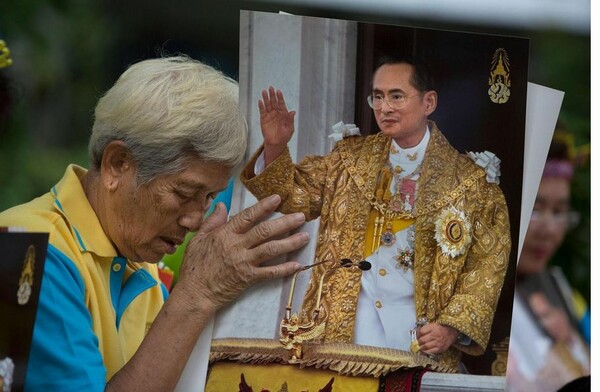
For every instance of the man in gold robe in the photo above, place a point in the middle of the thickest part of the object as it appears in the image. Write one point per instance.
(435, 230)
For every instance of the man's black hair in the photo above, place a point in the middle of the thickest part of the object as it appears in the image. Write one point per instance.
(421, 79)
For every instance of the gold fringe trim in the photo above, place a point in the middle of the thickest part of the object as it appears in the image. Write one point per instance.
(245, 350)
(344, 358)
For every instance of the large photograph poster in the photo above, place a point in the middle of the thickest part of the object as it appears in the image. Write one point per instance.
(324, 67)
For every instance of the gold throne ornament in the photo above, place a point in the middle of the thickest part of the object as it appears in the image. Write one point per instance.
(294, 329)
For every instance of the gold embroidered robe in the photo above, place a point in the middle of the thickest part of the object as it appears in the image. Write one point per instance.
(460, 291)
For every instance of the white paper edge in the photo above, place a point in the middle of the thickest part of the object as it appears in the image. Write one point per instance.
(193, 377)
(543, 107)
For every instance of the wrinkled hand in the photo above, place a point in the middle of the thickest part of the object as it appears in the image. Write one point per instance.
(276, 123)
(553, 319)
(436, 338)
(223, 259)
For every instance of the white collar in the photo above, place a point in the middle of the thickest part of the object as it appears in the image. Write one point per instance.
(401, 156)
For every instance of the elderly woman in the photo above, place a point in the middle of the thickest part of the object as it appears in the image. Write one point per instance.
(165, 140)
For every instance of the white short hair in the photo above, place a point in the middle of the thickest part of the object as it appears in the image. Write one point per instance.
(169, 110)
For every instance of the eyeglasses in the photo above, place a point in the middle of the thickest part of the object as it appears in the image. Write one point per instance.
(568, 219)
(395, 101)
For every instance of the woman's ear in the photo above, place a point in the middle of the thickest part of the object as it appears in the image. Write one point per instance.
(116, 163)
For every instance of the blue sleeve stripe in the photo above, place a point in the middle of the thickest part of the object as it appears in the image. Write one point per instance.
(165, 292)
(64, 351)
(116, 283)
(137, 283)
(79, 239)
(60, 207)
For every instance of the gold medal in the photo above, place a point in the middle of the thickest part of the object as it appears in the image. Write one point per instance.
(405, 259)
(388, 238)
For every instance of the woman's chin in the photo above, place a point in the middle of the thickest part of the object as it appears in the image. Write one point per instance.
(531, 266)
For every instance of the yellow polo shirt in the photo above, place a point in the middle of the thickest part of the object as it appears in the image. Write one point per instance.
(95, 307)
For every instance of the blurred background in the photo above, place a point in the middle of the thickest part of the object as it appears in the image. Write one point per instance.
(66, 53)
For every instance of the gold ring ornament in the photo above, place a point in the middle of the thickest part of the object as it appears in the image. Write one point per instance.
(414, 342)
(414, 347)
(453, 232)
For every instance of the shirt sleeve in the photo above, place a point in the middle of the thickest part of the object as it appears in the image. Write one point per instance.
(259, 165)
(299, 185)
(472, 307)
(64, 353)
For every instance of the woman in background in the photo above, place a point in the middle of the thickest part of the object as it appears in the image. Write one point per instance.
(547, 348)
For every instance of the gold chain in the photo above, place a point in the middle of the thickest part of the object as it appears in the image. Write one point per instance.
(383, 208)
(380, 206)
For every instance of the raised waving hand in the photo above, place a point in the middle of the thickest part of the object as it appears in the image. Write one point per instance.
(276, 123)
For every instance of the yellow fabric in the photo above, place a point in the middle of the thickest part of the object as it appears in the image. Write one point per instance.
(397, 225)
(580, 304)
(226, 377)
(382, 194)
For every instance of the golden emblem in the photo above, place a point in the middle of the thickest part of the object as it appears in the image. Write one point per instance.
(499, 81)
(452, 232)
(500, 364)
(26, 280)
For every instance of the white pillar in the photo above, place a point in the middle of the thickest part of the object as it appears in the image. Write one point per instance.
(312, 60)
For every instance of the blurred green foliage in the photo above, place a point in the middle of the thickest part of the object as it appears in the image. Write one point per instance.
(562, 61)
(59, 50)
(67, 52)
